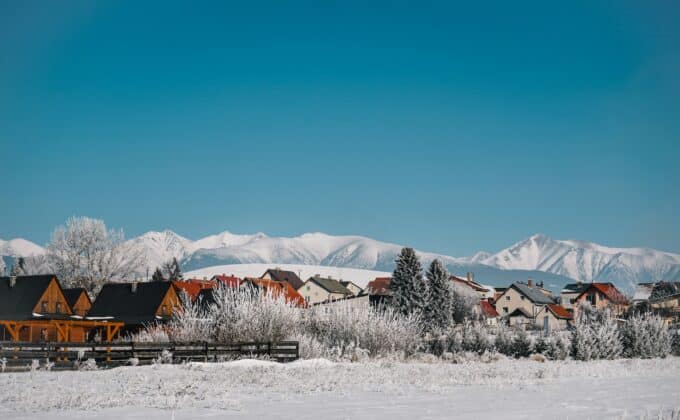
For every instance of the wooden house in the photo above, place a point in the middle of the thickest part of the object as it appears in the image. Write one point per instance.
(283, 275)
(318, 289)
(78, 300)
(136, 304)
(35, 308)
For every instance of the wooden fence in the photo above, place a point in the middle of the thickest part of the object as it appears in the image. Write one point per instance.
(24, 356)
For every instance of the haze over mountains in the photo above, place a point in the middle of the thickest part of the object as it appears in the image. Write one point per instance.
(554, 262)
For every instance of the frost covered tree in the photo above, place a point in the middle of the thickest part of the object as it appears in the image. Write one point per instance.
(158, 275)
(172, 270)
(408, 288)
(595, 335)
(463, 302)
(437, 312)
(19, 267)
(645, 336)
(84, 253)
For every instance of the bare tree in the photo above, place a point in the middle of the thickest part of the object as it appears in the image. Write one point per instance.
(84, 253)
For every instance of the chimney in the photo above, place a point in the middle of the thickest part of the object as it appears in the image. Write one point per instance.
(530, 282)
(205, 278)
(12, 281)
(470, 276)
(133, 287)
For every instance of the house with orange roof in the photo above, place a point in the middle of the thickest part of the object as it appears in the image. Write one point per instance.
(193, 287)
(602, 295)
(276, 288)
(553, 317)
(229, 281)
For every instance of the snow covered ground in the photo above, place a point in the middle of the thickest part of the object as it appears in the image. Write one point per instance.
(313, 389)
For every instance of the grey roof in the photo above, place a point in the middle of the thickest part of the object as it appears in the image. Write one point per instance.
(534, 295)
(285, 275)
(118, 301)
(331, 285)
(575, 287)
(17, 302)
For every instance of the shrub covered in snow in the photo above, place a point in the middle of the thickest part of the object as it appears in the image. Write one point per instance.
(476, 338)
(595, 335)
(645, 336)
(554, 347)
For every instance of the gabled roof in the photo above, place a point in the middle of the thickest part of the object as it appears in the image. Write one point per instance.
(17, 302)
(469, 283)
(346, 283)
(559, 311)
(193, 287)
(73, 294)
(277, 287)
(330, 285)
(608, 290)
(488, 310)
(229, 281)
(284, 275)
(534, 295)
(521, 312)
(380, 286)
(118, 301)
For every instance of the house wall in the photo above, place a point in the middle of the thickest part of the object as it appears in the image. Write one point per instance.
(554, 323)
(519, 321)
(599, 300)
(169, 305)
(52, 296)
(82, 305)
(353, 304)
(567, 299)
(313, 293)
(511, 300)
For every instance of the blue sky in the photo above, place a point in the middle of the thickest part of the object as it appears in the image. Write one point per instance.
(449, 127)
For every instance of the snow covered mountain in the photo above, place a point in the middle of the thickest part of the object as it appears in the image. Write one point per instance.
(17, 248)
(587, 261)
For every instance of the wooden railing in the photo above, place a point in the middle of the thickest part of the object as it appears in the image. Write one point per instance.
(24, 356)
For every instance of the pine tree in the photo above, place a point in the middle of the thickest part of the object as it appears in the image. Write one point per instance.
(407, 285)
(158, 275)
(173, 271)
(437, 311)
(19, 267)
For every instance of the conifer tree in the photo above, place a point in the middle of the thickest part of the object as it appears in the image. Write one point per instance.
(407, 285)
(158, 275)
(173, 271)
(437, 311)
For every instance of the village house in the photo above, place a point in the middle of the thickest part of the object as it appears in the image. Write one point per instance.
(486, 311)
(35, 308)
(136, 304)
(664, 300)
(553, 317)
(318, 289)
(276, 288)
(193, 287)
(602, 295)
(468, 282)
(520, 317)
(228, 281)
(522, 296)
(378, 291)
(78, 300)
(277, 274)
(570, 293)
(352, 287)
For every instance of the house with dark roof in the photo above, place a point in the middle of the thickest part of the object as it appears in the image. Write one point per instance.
(136, 304)
(277, 274)
(78, 300)
(524, 296)
(35, 308)
(318, 289)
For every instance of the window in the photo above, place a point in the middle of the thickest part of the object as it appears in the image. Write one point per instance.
(43, 307)
(505, 309)
(58, 308)
(307, 299)
(522, 297)
(309, 288)
(507, 297)
(572, 301)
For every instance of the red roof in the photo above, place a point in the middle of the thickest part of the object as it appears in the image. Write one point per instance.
(380, 286)
(276, 287)
(229, 281)
(609, 290)
(488, 310)
(559, 311)
(193, 287)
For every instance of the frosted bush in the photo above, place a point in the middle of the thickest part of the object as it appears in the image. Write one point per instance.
(521, 344)
(553, 347)
(645, 336)
(595, 335)
(475, 338)
(193, 323)
(153, 333)
(503, 340)
(379, 331)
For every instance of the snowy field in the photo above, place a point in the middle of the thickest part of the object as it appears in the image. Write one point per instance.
(313, 389)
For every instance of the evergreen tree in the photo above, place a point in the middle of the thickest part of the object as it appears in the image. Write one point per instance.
(173, 271)
(158, 275)
(437, 311)
(19, 267)
(407, 285)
